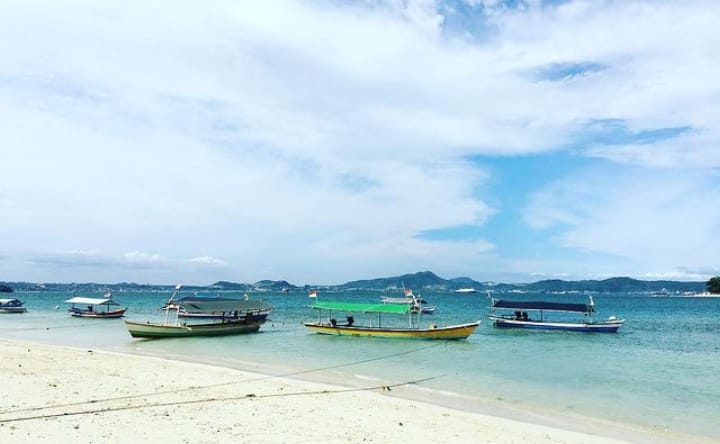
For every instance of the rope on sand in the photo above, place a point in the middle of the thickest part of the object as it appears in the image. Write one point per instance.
(206, 400)
(221, 384)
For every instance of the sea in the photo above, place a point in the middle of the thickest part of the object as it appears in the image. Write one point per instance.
(660, 373)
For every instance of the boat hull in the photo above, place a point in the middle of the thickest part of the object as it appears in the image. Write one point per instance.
(587, 327)
(148, 330)
(13, 309)
(97, 314)
(255, 317)
(454, 332)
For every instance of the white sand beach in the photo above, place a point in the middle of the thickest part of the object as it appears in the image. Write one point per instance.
(58, 394)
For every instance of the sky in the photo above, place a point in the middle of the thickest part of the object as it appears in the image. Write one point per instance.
(326, 141)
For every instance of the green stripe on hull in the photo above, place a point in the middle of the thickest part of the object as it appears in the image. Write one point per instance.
(137, 330)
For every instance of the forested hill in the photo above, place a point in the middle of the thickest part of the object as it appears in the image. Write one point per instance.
(424, 280)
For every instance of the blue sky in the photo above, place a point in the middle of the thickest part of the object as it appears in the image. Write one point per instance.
(325, 141)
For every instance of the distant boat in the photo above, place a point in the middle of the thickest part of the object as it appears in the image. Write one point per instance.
(12, 306)
(419, 305)
(234, 319)
(465, 290)
(521, 319)
(95, 307)
(376, 329)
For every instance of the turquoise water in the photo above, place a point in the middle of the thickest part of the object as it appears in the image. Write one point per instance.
(660, 372)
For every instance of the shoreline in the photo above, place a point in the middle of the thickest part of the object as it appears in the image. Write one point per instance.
(152, 394)
(522, 413)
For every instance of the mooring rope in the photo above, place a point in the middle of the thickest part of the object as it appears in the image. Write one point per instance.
(53, 327)
(204, 400)
(261, 378)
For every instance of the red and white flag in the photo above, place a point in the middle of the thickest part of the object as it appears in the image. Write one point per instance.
(312, 293)
(408, 292)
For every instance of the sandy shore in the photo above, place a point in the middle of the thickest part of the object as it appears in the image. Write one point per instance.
(48, 392)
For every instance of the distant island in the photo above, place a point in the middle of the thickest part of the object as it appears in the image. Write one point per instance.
(421, 281)
(5, 289)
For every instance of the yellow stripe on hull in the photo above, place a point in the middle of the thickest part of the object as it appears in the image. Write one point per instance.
(446, 333)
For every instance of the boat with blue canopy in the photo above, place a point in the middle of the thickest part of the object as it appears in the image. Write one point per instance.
(520, 318)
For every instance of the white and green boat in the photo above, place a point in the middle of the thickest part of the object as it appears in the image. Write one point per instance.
(230, 317)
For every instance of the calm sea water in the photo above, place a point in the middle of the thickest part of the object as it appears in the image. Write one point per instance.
(661, 371)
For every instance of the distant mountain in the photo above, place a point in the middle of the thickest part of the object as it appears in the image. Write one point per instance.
(614, 285)
(421, 280)
(464, 281)
(225, 285)
(267, 285)
(5, 289)
(86, 287)
(425, 280)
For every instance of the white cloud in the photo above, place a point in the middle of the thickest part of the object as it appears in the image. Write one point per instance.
(699, 150)
(258, 131)
(208, 260)
(664, 223)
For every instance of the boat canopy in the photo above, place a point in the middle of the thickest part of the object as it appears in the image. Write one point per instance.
(540, 305)
(12, 302)
(365, 308)
(188, 299)
(91, 301)
(212, 305)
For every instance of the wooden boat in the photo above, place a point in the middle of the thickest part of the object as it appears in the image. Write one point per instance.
(233, 320)
(412, 331)
(100, 308)
(215, 308)
(12, 306)
(521, 319)
(168, 330)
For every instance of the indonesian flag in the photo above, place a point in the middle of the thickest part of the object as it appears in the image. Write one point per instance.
(312, 293)
(408, 292)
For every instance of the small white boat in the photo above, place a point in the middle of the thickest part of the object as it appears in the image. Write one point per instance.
(419, 305)
(101, 308)
(12, 306)
(465, 290)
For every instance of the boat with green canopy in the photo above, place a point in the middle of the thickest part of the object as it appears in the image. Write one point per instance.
(376, 328)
